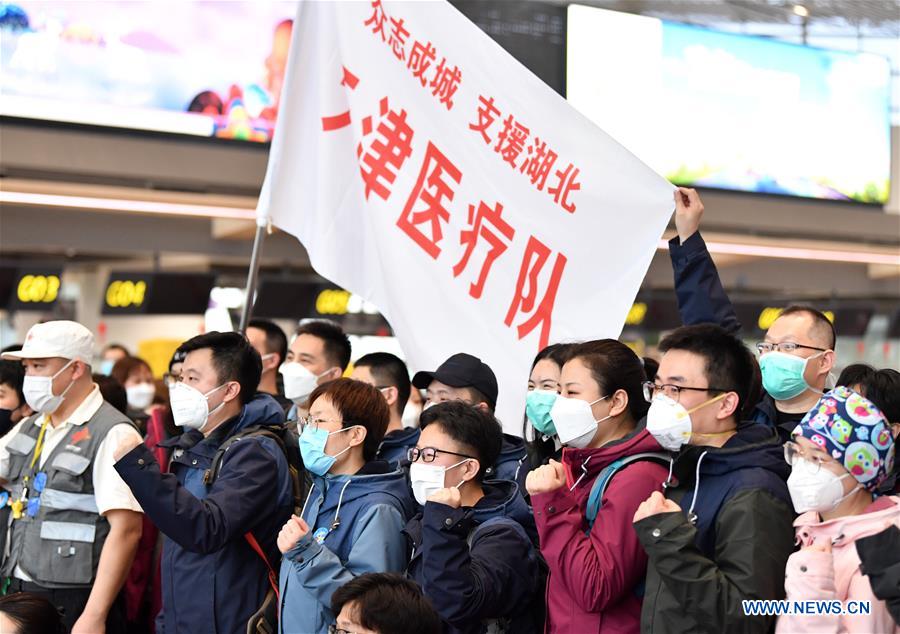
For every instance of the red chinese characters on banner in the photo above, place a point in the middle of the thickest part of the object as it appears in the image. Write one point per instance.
(433, 186)
(420, 58)
(536, 160)
(482, 224)
(487, 114)
(377, 20)
(385, 156)
(397, 41)
(445, 79)
(536, 256)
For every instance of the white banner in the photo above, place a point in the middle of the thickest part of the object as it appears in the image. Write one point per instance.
(426, 170)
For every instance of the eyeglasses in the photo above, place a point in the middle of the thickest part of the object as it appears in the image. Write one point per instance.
(303, 421)
(793, 452)
(673, 391)
(784, 346)
(428, 454)
(334, 629)
(171, 379)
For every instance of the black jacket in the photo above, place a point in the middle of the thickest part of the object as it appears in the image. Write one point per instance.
(729, 543)
(879, 557)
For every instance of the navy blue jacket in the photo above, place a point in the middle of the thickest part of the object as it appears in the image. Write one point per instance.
(393, 448)
(702, 300)
(512, 464)
(212, 581)
(479, 563)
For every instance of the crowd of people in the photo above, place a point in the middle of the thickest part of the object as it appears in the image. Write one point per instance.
(266, 484)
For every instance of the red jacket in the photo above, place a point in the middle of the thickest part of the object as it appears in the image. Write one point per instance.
(593, 578)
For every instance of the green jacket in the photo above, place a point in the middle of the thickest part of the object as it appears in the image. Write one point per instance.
(730, 543)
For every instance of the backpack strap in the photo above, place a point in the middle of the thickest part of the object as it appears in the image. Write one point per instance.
(595, 499)
(210, 475)
(273, 578)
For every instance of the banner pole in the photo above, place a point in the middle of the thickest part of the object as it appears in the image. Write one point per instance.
(253, 274)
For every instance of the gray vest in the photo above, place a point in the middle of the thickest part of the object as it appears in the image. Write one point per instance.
(59, 547)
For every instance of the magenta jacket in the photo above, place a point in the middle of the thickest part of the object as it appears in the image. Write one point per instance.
(595, 579)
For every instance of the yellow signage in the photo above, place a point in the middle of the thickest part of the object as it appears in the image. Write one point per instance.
(332, 301)
(38, 289)
(636, 314)
(125, 293)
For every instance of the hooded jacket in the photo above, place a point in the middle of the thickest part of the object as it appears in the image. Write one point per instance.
(512, 464)
(730, 541)
(356, 525)
(813, 575)
(212, 581)
(479, 563)
(395, 444)
(594, 575)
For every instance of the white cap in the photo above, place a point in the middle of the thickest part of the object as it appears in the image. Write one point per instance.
(66, 339)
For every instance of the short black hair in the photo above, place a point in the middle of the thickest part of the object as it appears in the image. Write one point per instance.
(233, 358)
(32, 613)
(387, 603)
(556, 352)
(276, 340)
(388, 370)
(478, 431)
(882, 387)
(12, 373)
(822, 326)
(615, 366)
(112, 391)
(335, 341)
(728, 363)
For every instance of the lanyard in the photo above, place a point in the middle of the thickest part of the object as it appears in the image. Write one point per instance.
(38, 448)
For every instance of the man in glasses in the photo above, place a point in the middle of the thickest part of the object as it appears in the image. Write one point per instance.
(465, 378)
(797, 354)
(721, 531)
(473, 544)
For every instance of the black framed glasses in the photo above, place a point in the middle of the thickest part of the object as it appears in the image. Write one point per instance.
(651, 389)
(334, 629)
(428, 454)
(785, 346)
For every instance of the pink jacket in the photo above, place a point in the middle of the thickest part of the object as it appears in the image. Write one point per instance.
(815, 575)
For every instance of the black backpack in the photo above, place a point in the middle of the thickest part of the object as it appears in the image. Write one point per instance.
(287, 440)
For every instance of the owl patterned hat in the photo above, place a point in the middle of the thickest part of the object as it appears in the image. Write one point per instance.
(853, 431)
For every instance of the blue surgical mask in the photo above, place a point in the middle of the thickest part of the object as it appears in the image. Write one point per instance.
(782, 374)
(538, 404)
(312, 449)
(106, 366)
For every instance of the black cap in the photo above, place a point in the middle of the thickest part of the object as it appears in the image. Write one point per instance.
(462, 370)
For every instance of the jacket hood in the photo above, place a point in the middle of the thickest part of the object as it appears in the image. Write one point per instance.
(376, 477)
(501, 498)
(401, 437)
(513, 447)
(261, 410)
(881, 514)
(590, 462)
(753, 446)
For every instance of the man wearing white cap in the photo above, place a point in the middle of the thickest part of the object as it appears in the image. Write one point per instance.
(71, 524)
